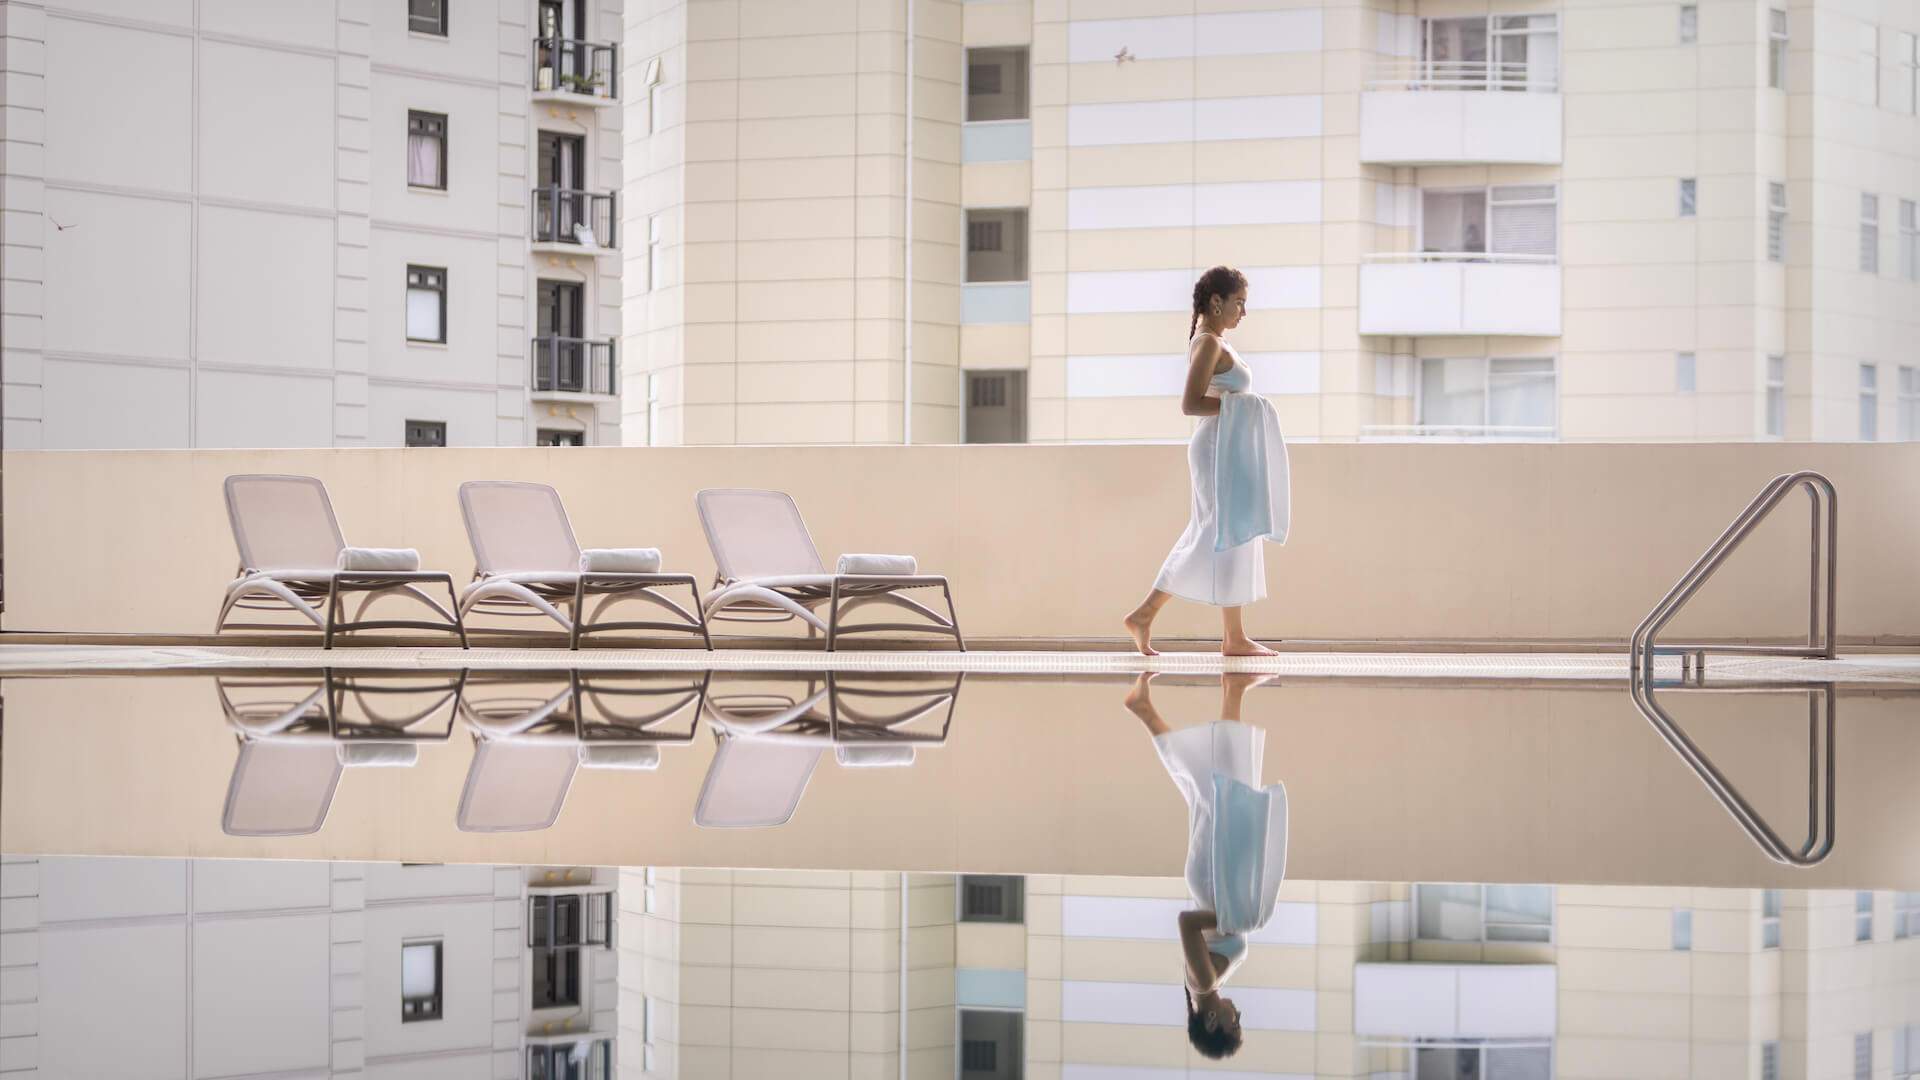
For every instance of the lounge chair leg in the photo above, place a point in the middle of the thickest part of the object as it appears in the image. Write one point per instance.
(333, 610)
(706, 636)
(579, 611)
(833, 614)
(459, 620)
(953, 618)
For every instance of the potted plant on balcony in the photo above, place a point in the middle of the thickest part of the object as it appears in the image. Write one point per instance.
(583, 84)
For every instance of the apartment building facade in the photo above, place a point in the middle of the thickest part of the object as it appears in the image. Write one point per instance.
(376, 223)
(232, 967)
(727, 973)
(1631, 221)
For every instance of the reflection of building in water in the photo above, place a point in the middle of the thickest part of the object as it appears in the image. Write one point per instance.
(203, 968)
(730, 972)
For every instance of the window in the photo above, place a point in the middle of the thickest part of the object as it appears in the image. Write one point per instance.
(1508, 220)
(427, 17)
(1688, 199)
(1908, 404)
(1869, 39)
(996, 84)
(1869, 402)
(556, 978)
(656, 251)
(649, 1025)
(990, 1045)
(996, 409)
(1906, 1052)
(1683, 373)
(426, 433)
(1770, 1061)
(419, 981)
(427, 304)
(1777, 396)
(427, 150)
(1863, 916)
(1776, 222)
(569, 920)
(1770, 918)
(652, 83)
(996, 245)
(1909, 240)
(1484, 913)
(1689, 23)
(1502, 397)
(582, 1060)
(1870, 234)
(1497, 52)
(996, 898)
(1777, 49)
(1683, 929)
(1863, 1056)
(1902, 96)
(555, 437)
(1470, 1061)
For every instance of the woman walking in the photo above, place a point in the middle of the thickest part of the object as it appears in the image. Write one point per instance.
(1238, 463)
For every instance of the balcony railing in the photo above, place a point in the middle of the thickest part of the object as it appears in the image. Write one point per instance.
(569, 365)
(1411, 293)
(1455, 433)
(1464, 75)
(586, 68)
(559, 215)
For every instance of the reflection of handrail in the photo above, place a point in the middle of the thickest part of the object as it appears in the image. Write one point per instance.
(1419, 74)
(1821, 642)
(1460, 257)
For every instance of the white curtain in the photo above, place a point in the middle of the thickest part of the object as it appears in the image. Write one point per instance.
(423, 315)
(423, 160)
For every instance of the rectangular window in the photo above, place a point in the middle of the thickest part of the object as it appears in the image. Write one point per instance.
(426, 433)
(1869, 38)
(656, 252)
(1689, 23)
(419, 981)
(1776, 222)
(1869, 402)
(584, 1059)
(1484, 913)
(1520, 220)
(569, 920)
(1863, 1056)
(990, 1046)
(557, 437)
(997, 84)
(1502, 397)
(1688, 200)
(1683, 373)
(1777, 49)
(1770, 1061)
(556, 978)
(1909, 240)
(1863, 916)
(996, 407)
(1906, 1052)
(994, 898)
(427, 17)
(1683, 929)
(1905, 91)
(1907, 416)
(1491, 52)
(1770, 918)
(427, 304)
(651, 81)
(426, 150)
(997, 245)
(1777, 396)
(1870, 234)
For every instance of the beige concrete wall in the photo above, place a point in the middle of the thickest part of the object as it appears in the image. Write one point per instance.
(1389, 541)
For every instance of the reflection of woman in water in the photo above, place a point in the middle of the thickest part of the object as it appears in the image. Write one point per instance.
(1236, 850)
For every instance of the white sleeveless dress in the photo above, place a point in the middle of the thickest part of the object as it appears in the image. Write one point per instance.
(1241, 497)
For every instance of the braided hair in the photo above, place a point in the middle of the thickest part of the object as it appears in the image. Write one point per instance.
(1219, 281)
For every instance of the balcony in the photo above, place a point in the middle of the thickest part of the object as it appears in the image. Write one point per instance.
(986, 141)
(575, 72)
(574, 367)
(1411, 294)
(1425, 112)
(568, 222)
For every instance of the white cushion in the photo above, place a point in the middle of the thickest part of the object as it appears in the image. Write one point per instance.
(902, 565)
(620, 757)
(873, 757)
(378, 755)
(364, 559)
(620, 560)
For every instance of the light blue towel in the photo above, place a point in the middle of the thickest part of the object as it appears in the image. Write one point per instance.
(1249, 852)
(1250, 481)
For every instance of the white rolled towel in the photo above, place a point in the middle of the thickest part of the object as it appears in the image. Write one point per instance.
(377, 755)
(365, 559)
(620, 561)
(900, 565)
(873, 757)
(641, 758)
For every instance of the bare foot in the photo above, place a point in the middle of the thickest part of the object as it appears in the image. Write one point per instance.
(1140, 629)
(1137, 697)
(1245, 647)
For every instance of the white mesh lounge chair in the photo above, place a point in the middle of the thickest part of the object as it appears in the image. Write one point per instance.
(295, 743)
(527, 563)
(770, 571)
(291, 554)
(767, 745)
(529, 741)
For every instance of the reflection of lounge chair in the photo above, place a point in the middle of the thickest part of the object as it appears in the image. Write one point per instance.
(527, 562)
(529, 742)
(298, 735)
(770, 571)
(293, 556)
(768, 744)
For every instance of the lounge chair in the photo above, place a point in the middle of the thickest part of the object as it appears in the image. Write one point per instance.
(293, 557)
(768, 744)
(527, 563)
(770, 571)
(529, 741)
(296, 739)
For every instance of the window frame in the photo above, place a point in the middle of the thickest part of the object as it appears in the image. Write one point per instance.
(1777, 209)
(1023, 236)
(1486, 192)
(432, 279)
(1552, 924)
(1779, 40)
(430, 1006)
(1486, 395)
(425, 119)
(1869, 233)
(439, 29)
(966, 84)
